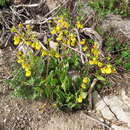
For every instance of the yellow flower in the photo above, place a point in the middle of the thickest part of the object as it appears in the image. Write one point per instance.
(44, 53)
(94, 61)
(79, 25)
(108, 58)
(37, 46)
(65, 31)
(57, 55)
(53, 31)
(54, 18)
(61, 20)
(83, 85)
(85, 48)
(95, 52)
(80, 99)
(24, 65)
(59, 38)
(85, 80)
(33, 36)
(103, 70)
(107, 69)
(19, 61)
(23, 57)
(13, 29)
(16, 40)
(33, 45)
(68, 42)
(66, 25)
(19, 53)
(28, 27)
(82, 42)
(58, 28)
(61, 33)
(114, 70)
(27, 68)
(95, 44)
(28, 73)
(64, 41)
(73, 41)
(100, 64)
(71, 35)
(20, 25)
(50, 21)
(28, 42)
(47, 41)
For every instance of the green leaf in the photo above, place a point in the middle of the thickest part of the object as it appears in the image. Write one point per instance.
(83, 94)
(101, 78)
(13, 29)
(66, 83)
(71, 105)
(127, 66)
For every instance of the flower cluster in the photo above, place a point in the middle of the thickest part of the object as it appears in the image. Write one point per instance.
(62, 33)
(25, 36)
(108, 69)
(22, 59)
(84, 84)
(79, 25)
(80, 99)
(104, 68)
(65, 49)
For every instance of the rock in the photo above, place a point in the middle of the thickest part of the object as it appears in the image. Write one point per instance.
(115, 127)
(126, 97)
(86, 10)
(125, 93)
(52, 4)
(120, 26)
(115, 108)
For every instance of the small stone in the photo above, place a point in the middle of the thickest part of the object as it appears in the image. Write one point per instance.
(115, 127)
(5, 120)
(112, 107)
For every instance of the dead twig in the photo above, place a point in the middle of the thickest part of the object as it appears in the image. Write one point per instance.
(92, 85)
(98, 121)
(59, 6)
(88, 19)
(74, 49)
(38, 21)
(80, 47)
(30, 5)
(90, 98)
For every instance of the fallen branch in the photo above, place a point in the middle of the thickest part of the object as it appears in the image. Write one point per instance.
(63, 3)
(30, 5)
(38, 21)
(90, 98)
(98, 121)
(80, 47)
(76, 50)
(92, 85)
